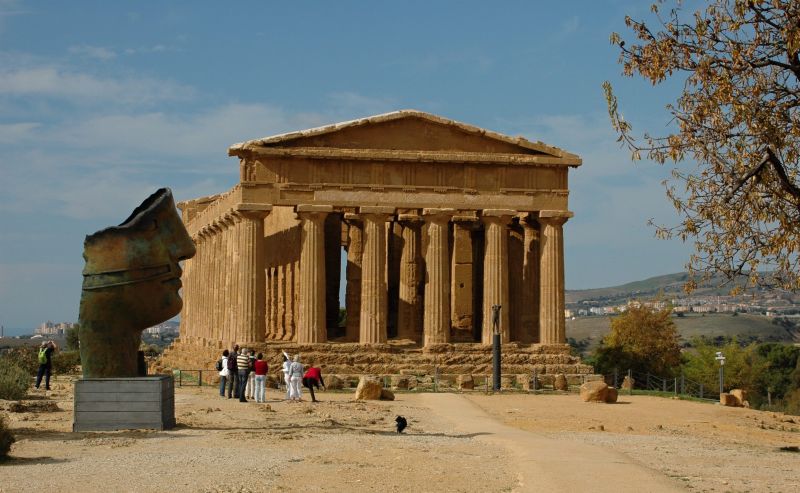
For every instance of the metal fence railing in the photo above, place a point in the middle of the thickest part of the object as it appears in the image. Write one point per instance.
(189, 377)
(677, 385)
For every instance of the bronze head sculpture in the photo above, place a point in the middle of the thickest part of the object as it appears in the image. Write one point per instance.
(130, 282)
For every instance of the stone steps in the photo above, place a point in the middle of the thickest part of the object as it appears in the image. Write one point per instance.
(350, 359)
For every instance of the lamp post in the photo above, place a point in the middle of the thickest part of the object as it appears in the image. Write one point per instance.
(721, 358)
(496, 346)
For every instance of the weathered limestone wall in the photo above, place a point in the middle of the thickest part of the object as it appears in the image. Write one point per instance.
(397, 359)
(461, 293)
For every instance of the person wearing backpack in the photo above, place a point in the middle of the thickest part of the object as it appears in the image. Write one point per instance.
(222, 368)
(45, 364)
(233, 373)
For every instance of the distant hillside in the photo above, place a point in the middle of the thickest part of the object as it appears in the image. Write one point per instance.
(745, 327)
(670, 285)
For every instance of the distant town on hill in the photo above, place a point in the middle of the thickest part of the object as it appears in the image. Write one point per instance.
(659, 291)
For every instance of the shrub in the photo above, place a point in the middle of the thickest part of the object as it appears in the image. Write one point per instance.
(66, 362)
(14, 380)
(6, 438)
(25, 357)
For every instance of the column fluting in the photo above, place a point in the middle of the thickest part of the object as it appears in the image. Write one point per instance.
(552, 324)
(436, 324)
(372, 323)
(311, 324)
(495, 271)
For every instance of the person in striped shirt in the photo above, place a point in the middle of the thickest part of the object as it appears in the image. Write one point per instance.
(243, 363)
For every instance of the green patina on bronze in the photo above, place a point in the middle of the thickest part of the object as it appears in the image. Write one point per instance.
(130, 282)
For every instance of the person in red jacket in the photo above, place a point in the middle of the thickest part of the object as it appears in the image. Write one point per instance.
(313, 378)
(260, 368)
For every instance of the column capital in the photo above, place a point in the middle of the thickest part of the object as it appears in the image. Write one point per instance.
(252, 211)
(409, 219)
(466, 217)
(554, 217)
(498, 213)
(352, 217)
(299, 208)
(433, 215)
(376, 209)
(252, 207)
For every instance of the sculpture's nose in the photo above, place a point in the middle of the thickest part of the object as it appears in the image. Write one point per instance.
(184, 246)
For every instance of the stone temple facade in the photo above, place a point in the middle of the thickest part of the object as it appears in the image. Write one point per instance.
(438, 220)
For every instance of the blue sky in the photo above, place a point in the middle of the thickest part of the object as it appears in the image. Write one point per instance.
(103, 102)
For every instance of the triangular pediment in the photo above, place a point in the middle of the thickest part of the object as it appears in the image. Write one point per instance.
(406, 130)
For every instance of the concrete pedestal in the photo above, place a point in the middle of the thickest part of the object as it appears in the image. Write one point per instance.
(103, 404)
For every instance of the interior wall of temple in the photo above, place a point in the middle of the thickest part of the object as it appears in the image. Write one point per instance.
(333, 268)
(282, 241)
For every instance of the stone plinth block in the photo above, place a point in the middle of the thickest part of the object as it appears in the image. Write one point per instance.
(105, 404)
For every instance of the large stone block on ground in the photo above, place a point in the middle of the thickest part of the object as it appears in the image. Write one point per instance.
(611, 395)
(399, 382)
(628, 383)
(728, 400)
(387, 395)
(369, 389)
(741, 397)
(333, 382)
(560, 382)
(466, 382)
(594, 391)
(105, 404)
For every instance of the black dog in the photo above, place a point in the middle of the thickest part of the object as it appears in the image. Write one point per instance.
(401, 424)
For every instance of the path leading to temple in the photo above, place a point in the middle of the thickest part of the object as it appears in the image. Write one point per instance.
(548, 464)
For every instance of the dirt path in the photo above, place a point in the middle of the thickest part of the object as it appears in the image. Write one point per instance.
(547, 464)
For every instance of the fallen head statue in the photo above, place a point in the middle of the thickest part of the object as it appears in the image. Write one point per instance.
(130, 282)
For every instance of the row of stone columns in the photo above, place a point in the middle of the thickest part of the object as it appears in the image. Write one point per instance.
(224, 284)
(367, 285)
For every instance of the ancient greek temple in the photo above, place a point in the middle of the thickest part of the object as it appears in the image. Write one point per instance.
(438, 220)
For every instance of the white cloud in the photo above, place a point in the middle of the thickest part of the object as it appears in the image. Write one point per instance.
(98, 52)
(11, 133)
(570, 26)
(357, 105)
(53, 82)
(208, 133)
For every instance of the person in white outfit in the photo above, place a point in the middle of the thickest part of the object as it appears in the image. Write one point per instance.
(296, 379)
(287, 363)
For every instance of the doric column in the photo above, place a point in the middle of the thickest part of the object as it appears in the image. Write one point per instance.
(187, 295)
(373, 275)
(410, 306)
(250, 248)
(552, 325)
(200, 283)
(436, 324)
(283, 304)
(352, 297)
(216, 273)
(495, 271)
(311, 326)
(231, 304)
(530, 279)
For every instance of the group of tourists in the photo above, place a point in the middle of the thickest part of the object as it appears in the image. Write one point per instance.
(243, 375)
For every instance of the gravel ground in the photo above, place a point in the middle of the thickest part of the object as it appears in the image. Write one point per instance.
(222, 445)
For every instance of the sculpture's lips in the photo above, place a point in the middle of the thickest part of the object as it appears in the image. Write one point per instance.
(164, 272)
